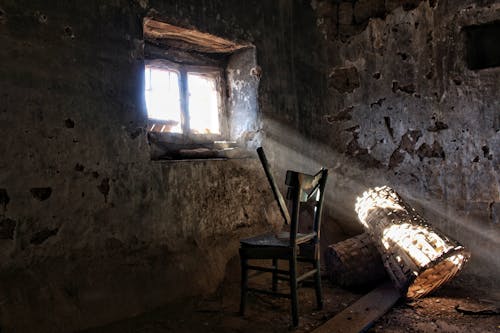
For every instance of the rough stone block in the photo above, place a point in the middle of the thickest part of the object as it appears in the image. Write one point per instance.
(434, 151)
(345, 79)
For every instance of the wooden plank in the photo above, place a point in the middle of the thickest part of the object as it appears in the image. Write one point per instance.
(359, 316)
(274, 186)
(200, 41)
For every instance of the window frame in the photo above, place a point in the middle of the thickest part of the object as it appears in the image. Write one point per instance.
(187, 135)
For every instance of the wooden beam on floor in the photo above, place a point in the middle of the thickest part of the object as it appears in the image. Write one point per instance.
(360, 316)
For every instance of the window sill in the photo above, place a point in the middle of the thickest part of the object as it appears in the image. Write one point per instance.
(183, 148)
(203, 160)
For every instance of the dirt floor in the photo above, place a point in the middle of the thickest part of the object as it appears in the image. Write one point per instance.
(459, 306)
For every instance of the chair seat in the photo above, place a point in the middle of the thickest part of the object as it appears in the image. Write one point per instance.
(281, 239)
(304, 192)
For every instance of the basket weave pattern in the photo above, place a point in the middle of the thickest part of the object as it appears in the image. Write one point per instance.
(354, 262)
(418, 257)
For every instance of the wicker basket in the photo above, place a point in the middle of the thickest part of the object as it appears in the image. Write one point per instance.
(354, 263)
(418, 257)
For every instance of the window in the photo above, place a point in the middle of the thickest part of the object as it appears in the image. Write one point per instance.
(183, 99)
(483, 45)
(203, 103)
(200, 94)
(162, 93)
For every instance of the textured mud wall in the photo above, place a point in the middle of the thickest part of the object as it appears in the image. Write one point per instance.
(404, 109)
(92, 230)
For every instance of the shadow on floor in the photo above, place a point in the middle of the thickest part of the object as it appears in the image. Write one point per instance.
(218, 312)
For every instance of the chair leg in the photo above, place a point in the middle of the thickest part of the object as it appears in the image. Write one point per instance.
(275, 275)
(244, 284)
(293, 291)
(319, 296)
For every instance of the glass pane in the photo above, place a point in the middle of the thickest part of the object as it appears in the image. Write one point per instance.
(163, 98)
(203, 104)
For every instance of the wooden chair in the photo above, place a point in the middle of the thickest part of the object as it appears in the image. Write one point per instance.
(291, 246)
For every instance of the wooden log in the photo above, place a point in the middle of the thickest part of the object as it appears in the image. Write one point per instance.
(355, 263)
(189, 39)
(418, 257)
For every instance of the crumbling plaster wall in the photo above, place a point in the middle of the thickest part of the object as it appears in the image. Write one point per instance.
(403, 109)
(92, 230)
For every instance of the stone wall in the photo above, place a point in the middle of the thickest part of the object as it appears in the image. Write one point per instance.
(404, 109)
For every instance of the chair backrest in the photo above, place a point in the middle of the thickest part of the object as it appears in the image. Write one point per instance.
(274, 187)
(305, 188)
